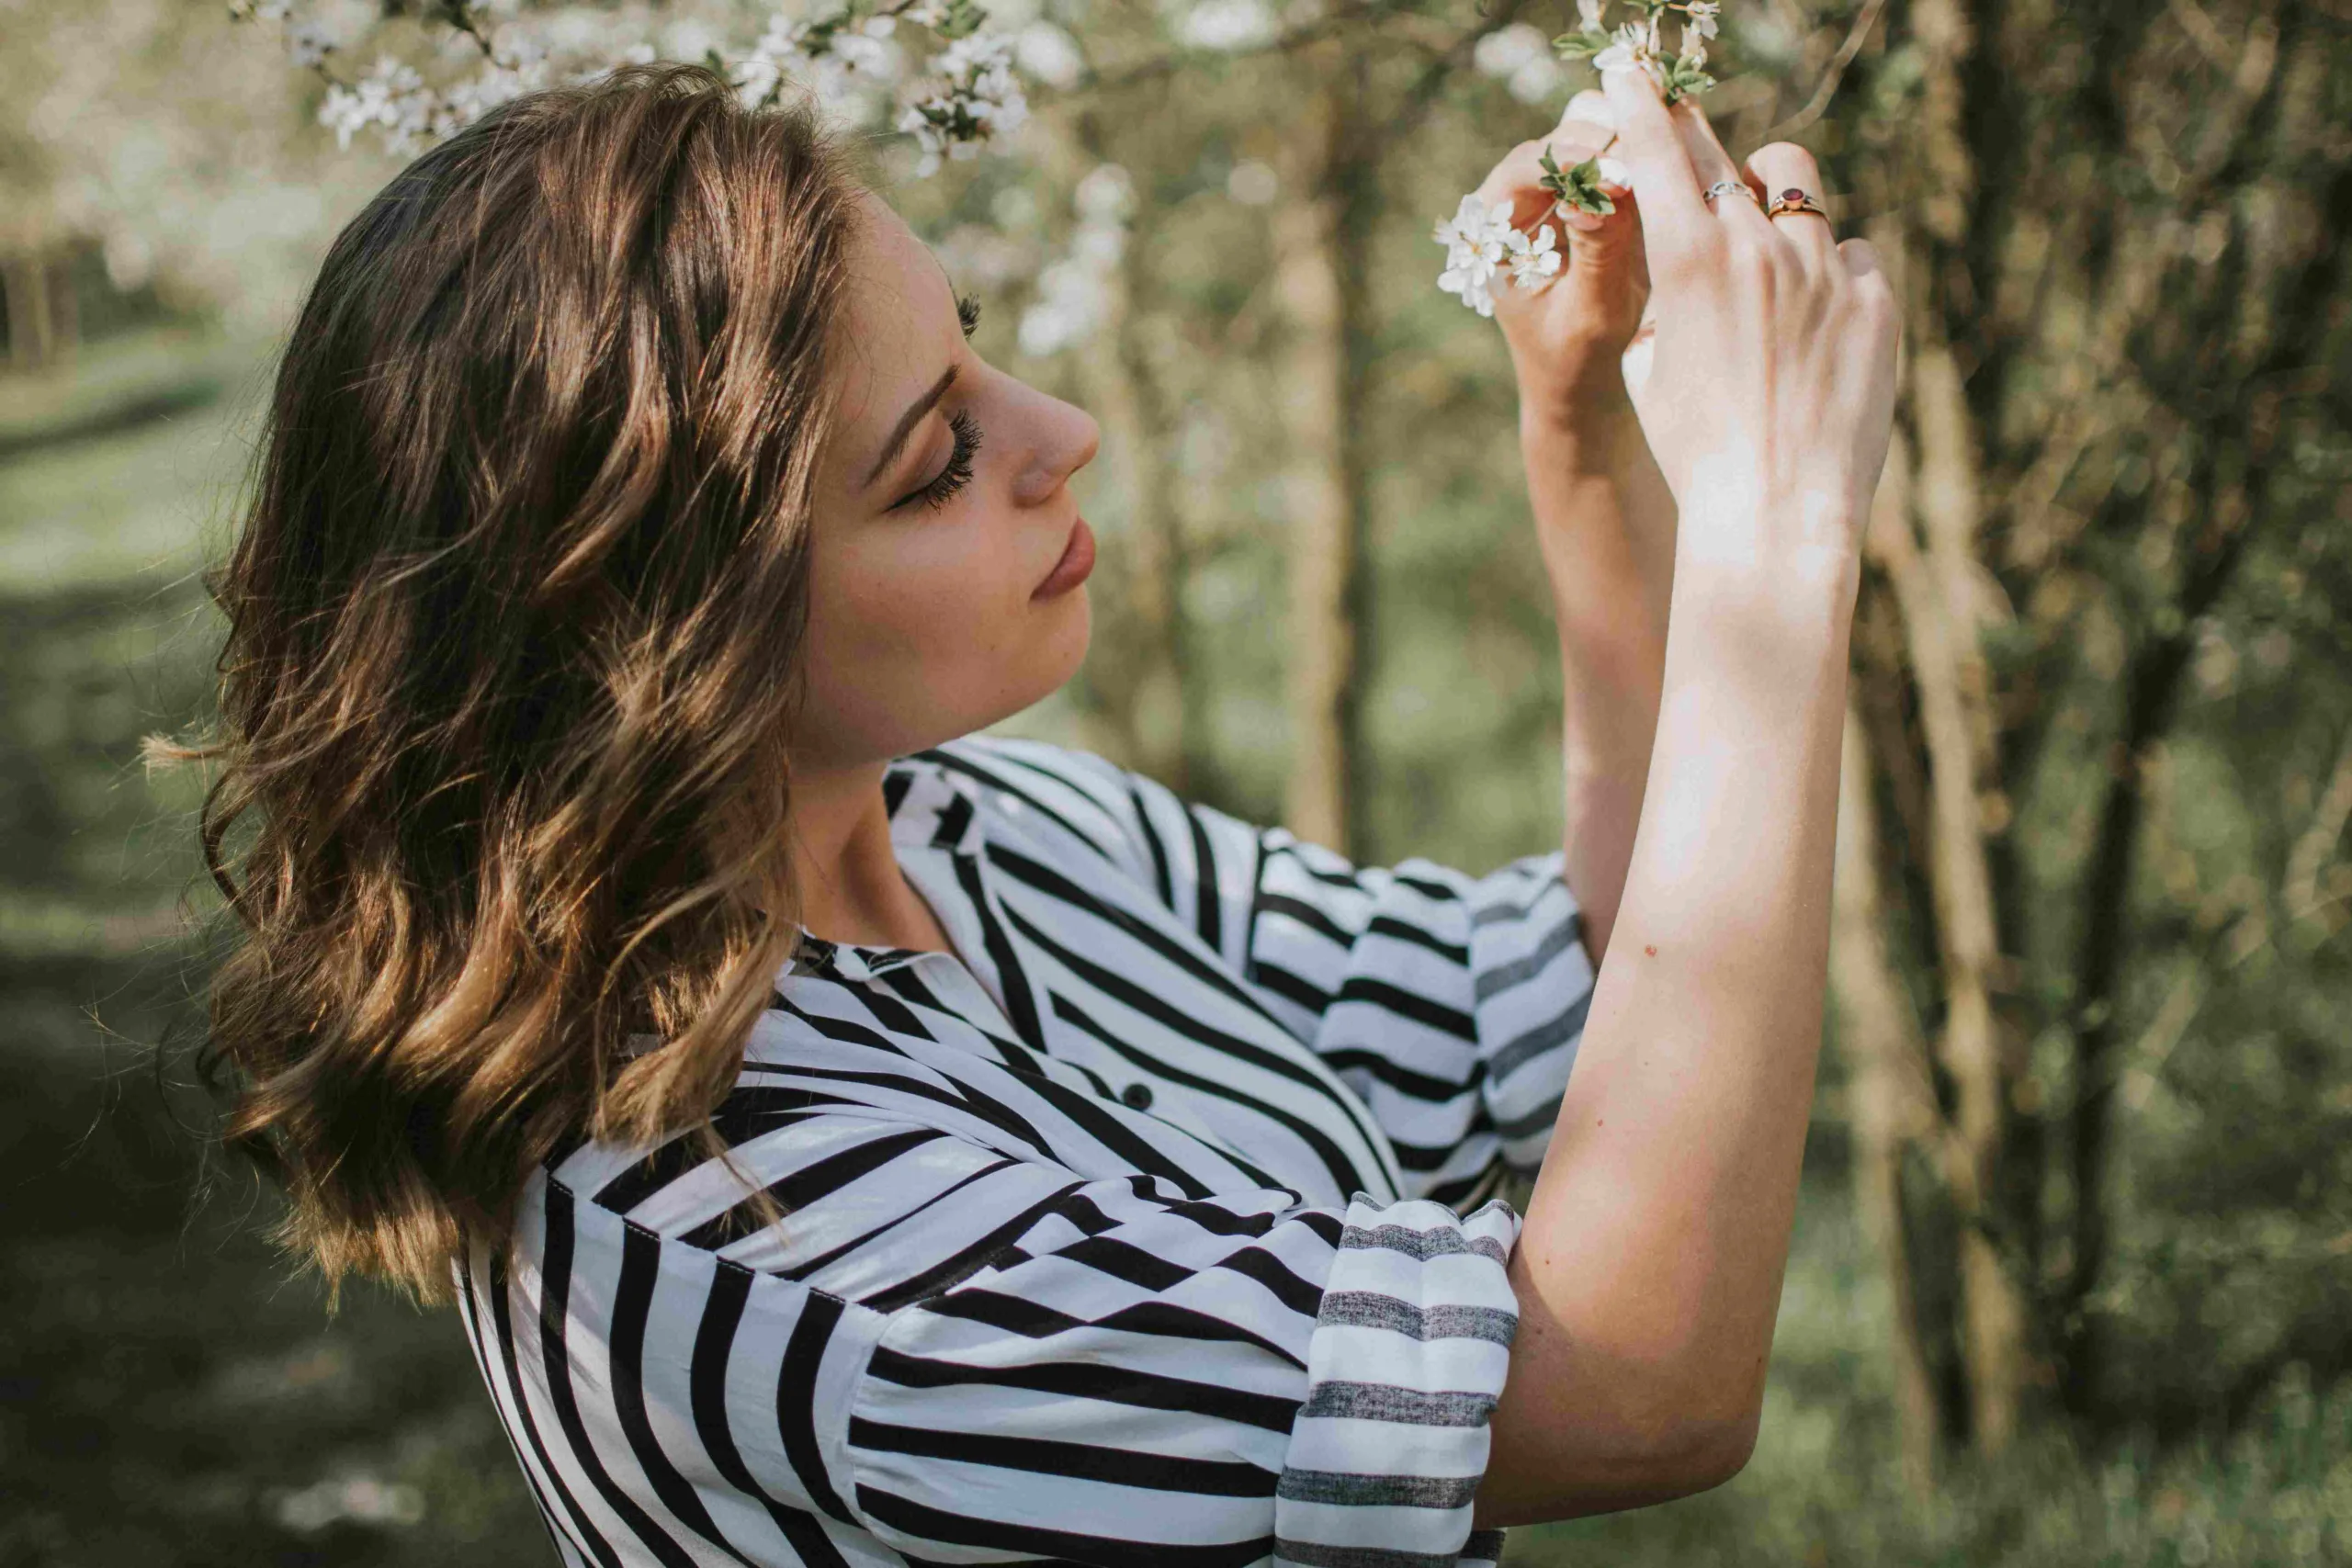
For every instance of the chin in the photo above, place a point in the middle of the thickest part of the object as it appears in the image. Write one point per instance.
(1069, 628)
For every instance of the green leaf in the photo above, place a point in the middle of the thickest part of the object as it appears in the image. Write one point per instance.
(963, 17)
(1578, 187)
(1579, 46)
(1683, 80)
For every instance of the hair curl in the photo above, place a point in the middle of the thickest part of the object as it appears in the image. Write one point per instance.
(513, 626)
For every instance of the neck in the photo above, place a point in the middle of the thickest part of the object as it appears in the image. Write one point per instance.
(851, 887)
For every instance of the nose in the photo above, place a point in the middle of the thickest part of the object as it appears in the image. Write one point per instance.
(1065, 439)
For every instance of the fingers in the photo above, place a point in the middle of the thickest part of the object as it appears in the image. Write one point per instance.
(1708, 159)
(1666, 187)
(1871, 282)
(1515, 181)
(1783, 166)
(1587, 125)
(1591, 105)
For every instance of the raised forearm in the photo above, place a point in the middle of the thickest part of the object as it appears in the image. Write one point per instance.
(1649, 1269)
(1605, 520)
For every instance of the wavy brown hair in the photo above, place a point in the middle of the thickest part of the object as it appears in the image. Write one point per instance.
(513, 627)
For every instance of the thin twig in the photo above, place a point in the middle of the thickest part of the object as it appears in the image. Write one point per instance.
(1813, 109)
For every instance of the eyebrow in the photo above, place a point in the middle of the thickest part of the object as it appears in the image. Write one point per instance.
(915, 411)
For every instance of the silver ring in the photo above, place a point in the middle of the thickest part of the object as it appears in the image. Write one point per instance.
(1721, 186)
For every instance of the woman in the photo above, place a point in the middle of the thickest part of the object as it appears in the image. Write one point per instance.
(850, 1143)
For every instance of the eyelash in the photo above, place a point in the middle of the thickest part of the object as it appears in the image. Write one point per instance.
(958, 471)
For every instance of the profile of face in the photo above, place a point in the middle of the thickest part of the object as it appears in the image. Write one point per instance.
(947, 557)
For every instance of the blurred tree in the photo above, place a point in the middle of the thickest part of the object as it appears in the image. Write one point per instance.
(2118, 234)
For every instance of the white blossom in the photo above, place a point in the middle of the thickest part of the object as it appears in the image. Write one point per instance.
(308, 43)
(761, 71)
(1075, 292)
(1522, 57)
(1479, 240)
(973, 98)
(391, 97)
(1628, 49)
(1226, 24)
(1505, 49)
(1532, 260)
(970, 97)
(1049, 53)
(1474, 246)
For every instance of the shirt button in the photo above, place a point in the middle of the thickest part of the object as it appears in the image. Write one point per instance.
(1137, 1095)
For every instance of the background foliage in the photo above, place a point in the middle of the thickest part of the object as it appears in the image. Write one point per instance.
(2073, 1277)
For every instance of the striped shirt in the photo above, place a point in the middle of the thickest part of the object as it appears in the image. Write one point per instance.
(1157, 1223)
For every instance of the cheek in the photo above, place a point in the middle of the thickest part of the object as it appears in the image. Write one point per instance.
(916, 637)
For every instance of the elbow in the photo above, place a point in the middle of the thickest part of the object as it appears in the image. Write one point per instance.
(1679, 1449)
(1628, 1460)
(1699, 1452)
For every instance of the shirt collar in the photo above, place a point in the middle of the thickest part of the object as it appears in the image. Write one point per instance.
(936, 809)
(939, 809)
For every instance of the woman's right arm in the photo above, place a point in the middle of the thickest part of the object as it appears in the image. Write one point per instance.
(1649, 1270)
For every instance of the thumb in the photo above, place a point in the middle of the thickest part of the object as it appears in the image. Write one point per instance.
(1604, 245)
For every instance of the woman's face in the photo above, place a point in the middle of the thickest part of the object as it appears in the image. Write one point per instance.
(948, 560)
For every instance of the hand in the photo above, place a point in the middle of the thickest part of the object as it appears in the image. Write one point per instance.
(1770, 392)
(1566, 335)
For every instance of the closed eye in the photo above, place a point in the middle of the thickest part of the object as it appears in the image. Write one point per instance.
(958, 471)
(967, 314)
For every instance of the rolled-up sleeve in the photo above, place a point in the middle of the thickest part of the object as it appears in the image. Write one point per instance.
(1453, 1004)
(1141, 1377)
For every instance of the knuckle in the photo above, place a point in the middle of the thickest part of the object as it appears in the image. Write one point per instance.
(1750, 257)
(1709, 254)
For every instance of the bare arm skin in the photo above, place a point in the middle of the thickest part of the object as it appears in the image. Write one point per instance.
(1604, 517)
(1649, 1269)
(1605, 522)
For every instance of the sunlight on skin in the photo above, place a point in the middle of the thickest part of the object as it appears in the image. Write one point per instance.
(925, 623)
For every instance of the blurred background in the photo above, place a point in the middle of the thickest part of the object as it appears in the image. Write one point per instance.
(2072, 1276)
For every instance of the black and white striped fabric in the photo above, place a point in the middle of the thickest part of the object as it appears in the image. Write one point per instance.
(1155, 1224)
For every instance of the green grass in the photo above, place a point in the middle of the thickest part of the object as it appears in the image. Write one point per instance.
(94, 496)
(1824, 1488)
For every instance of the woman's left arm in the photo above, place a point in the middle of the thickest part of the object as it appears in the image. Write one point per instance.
(1604, 517)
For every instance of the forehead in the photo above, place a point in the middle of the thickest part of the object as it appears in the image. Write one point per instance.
(898, 298)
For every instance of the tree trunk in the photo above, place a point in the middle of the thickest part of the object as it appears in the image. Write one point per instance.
(1891, 1103)
(1135, 671)
(1326, 526)
(32, 314)
(1935, 594)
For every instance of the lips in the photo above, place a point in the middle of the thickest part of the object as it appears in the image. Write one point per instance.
(1077, 559)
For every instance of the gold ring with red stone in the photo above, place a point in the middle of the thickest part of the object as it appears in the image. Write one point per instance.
(1795, 199)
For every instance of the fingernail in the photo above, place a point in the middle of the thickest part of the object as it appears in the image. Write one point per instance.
(1578, 219)
(1593, 109)
(1613, 171)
